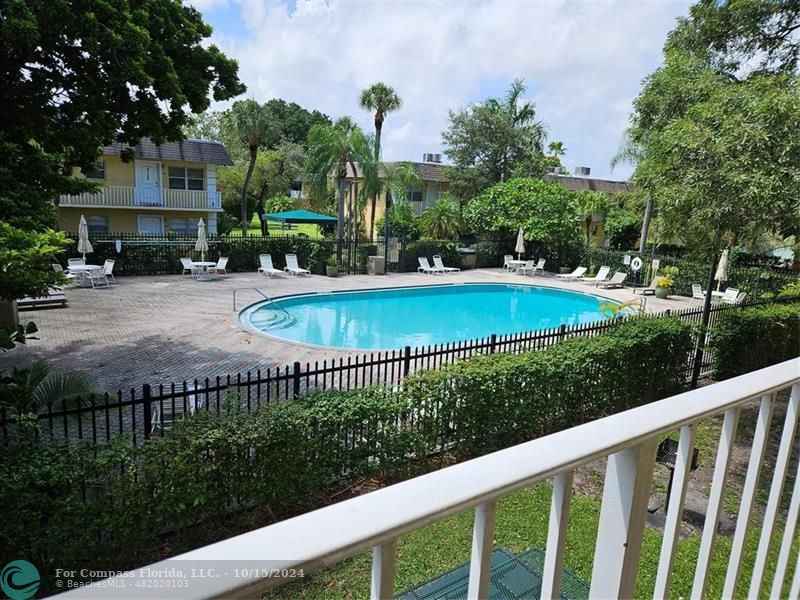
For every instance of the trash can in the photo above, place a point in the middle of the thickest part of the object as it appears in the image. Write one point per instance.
(376, 265)
(469, 257)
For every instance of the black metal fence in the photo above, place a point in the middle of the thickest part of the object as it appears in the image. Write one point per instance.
(151, 410)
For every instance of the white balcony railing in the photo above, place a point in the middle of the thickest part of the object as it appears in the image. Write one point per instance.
(375, 520)
(114, 196)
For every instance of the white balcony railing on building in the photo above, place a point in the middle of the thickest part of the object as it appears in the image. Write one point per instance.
(375, 520)
(114, 196)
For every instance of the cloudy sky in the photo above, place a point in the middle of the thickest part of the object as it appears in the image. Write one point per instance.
(582, 61)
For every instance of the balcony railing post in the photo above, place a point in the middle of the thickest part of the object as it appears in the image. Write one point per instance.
(383, 560)
(480, 565)
(629, 475)
(556, 535)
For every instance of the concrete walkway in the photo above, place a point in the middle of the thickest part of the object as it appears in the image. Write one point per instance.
(163, 329)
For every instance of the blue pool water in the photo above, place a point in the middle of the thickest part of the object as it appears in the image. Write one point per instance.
(397, 317)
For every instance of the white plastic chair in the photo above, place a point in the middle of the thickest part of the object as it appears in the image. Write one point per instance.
(108, 267)
(529, 266)
(293, 267)
(438, 264)
(97, 276)
(698, 293)
(267, 269)
(219, 268)
(425, 267)
(189, 267)
(507, 259)
(59, 269)
(75, 262)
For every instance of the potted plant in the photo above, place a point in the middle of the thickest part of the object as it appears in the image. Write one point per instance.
(665, 282)
(330, 267)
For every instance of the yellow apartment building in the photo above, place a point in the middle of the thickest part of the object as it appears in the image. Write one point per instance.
(164, 188)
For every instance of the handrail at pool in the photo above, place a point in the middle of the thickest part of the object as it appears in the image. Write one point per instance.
(375, 520)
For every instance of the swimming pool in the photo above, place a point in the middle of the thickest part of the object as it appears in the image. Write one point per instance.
(418, 316)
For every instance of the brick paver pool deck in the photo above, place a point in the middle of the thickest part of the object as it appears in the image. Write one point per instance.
(164, 329)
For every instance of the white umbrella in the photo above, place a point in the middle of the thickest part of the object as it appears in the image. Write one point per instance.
(722, 269)
(520, 249)
(202, 243)
(84, 245)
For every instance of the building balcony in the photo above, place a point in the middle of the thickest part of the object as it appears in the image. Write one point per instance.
(628, 442)
(114, 196)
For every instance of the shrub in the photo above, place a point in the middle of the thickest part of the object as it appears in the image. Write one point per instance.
(447, 250)
(754, 338)
(108, 507)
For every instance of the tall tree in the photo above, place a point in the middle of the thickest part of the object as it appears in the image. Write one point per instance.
(631, 152)
(79, 75)
(557, 148)
(255, 127)
(494, 141)
(332, 151)
(383, 99)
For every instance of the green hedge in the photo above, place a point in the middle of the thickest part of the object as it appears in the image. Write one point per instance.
(106, 507)
(754, 338)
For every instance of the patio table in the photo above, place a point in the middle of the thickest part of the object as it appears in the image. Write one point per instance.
(81, 271)
(205, 266)
(516, 264)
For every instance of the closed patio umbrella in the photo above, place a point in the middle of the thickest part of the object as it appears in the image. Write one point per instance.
(722, 269)
(520, 248)
(202, 243)
(84, 245)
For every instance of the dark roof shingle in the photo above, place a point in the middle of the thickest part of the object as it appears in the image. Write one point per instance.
(199, 151)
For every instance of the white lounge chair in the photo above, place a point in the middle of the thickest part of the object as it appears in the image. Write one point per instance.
(438, 264)
(615, 281)
(697, 293)
(219, 268)
(425, 267)
(55, 295)
(108, 267)
(507, 259)
(730, 295)
(576, 274)
(266, 268)
(602, 275)
(529, 266)
(293, 267)
(650, 289)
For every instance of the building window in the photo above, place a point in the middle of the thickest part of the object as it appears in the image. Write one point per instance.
(415, 195)
(96, 171)
(183, 226)
(97, 225)
(184, 178)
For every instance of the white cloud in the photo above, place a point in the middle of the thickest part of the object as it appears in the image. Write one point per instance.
(583, 62)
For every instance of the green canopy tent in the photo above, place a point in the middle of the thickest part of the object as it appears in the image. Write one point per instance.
(300, 216)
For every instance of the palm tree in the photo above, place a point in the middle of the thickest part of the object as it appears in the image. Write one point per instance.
(332, 150)
(590, 204)
(382, 99)
(255, 127)
(557, 148)
(36, 390)
(632, 153)
(520, 116)
(398, 179)
(442, 220)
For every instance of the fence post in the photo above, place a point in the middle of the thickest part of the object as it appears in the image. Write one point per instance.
(668, 312)
(148, 416)
(493, 344)
(562, 330)
(296, 380)
(406, 360)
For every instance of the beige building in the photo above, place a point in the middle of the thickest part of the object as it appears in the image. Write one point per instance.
(162, 189)
(432, 185)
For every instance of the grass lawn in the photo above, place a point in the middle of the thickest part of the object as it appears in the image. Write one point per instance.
(521, 524)
(308, 229)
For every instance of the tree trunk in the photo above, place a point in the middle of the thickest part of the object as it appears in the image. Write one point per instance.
(378, 129)
(250, 168)
(340, 221)
(588, 222)
(648, 215)
(701, 340)
(9, 316)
